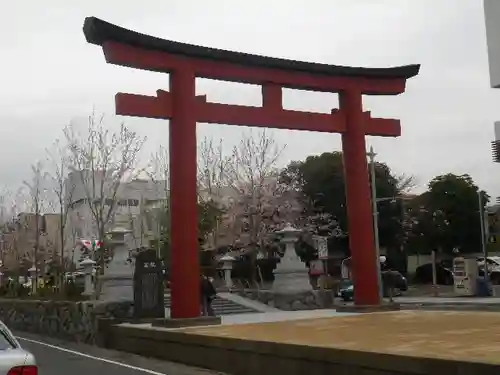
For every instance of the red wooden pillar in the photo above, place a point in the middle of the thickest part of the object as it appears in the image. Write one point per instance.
(185, 267)
(359, 210)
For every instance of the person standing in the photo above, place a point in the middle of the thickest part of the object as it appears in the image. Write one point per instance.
(208, 294)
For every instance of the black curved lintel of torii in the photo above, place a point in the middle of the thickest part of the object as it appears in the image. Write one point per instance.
(99, 32)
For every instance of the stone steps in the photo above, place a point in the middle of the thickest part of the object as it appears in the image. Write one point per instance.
(221, 306)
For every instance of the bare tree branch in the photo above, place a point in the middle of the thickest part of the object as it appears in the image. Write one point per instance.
(406, 183)
(102, 160)
(212, 185)
(59, 159)
(158, 171)
(160, 176)
(211, 166)
(37, 194)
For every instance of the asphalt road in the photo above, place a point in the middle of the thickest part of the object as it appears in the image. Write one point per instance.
(56, 357)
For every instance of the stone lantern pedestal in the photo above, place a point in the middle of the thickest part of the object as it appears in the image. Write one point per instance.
(32, 276)
(291, 274)
(88, 270)
(227, 266)
(118, 278)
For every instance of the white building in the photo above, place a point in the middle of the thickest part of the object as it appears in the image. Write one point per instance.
(492, 18)
(131, 205)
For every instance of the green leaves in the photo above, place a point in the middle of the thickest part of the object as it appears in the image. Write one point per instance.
(209, 215)
(319, 180)
(447, 217)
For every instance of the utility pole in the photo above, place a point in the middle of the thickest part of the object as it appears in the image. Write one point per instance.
(483, 235)
(403, 234)
(371, 156)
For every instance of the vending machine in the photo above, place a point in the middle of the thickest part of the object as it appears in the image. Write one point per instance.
(465, 273)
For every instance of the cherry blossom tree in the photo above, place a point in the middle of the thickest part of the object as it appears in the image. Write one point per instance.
(261, 202)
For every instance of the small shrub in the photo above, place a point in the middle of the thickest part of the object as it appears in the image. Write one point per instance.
(70, 292)
(44, 292)
(22, 291)
(73, 291)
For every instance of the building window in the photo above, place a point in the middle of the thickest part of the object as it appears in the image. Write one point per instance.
(122, 202)
(109, 202)
(117, 237)
(245, 226)
(149, 220)
(43, 224)
(133, 202)
(78, 232)
(77, 203)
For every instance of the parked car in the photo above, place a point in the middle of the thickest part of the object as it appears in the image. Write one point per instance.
(423, 274)
(346, 290)
(493, 268)
(14, 360)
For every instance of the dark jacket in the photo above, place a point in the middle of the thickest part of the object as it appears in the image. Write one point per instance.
(207, 289)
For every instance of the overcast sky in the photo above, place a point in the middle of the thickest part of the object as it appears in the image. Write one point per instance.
(49, 75)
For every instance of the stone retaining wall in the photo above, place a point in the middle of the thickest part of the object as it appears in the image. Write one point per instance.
(311, 300)
(75, 321)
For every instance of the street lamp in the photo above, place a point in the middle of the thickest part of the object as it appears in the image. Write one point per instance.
(371, 156)
(484, 228)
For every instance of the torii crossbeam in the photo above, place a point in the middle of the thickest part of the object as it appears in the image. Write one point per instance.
(184, 109)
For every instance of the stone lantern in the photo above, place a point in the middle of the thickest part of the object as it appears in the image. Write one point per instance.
(117, 281)
(291, 274)
(32, 276)
(227, 266)
(88, 270)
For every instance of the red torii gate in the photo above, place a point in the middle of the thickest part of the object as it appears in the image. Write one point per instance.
(184, 109)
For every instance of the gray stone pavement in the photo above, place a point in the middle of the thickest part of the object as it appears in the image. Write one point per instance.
(280, 316)
(275, 316)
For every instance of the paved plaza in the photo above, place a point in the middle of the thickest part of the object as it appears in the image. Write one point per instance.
(265, 317)
(440, 335)
(280, 316)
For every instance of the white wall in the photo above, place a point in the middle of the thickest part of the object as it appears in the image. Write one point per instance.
(492, 18)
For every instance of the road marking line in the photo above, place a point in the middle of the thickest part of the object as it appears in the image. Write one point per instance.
(91, 356)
